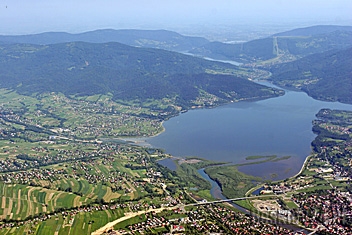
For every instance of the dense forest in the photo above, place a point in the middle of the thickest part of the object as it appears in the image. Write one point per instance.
(299, 42)
(324, 76)
(93, 63)
(129, 73)
(268, 48)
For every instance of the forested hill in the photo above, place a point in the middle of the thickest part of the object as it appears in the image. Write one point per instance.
(276, 46)
(129, 73)
(162, 39)
(324, 76)
(314, 30)
(298, 42)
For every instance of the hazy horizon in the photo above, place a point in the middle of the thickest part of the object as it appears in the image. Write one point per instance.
(36, 16)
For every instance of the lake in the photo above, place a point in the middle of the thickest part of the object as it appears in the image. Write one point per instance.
(279, 126)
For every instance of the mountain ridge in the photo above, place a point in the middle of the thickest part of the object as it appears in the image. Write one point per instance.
(160, 39)
(298, 42)
(314, 30)
(270, 47)
(129, 73)
(324, 76)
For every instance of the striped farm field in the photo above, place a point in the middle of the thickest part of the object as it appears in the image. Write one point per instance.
(100, 190)
(20, 201)
(76, 224)
(109, 195)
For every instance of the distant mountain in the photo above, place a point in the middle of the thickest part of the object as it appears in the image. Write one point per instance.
(315, 44)
(260, 49)
(314, 30)
(298, 43)
(276, 46)
(161, 39)
(324, 76)
(129, 73)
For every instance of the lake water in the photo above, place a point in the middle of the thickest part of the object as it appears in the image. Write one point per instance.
(278, 126)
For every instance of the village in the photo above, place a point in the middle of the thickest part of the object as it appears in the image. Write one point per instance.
(64, 173)
(60, 118)
(321, 192)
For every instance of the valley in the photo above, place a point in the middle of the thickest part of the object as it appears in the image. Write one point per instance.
(68, 101)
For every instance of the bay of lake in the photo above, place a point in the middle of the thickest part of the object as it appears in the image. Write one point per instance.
(279, 126)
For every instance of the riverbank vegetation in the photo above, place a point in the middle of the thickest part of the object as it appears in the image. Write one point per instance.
(235, 183)
(232, 182)
(297, 199)
(58, 176)
(262, 159)
(62, 172)
(187, 171)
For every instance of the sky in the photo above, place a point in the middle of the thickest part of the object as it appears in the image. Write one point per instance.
(35, 16)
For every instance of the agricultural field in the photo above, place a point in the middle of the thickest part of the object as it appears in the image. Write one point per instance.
(33, 118)
(75, 222)
(57, 177)
(63, 171)
(19, 202)
(78, 194)
(105, 176)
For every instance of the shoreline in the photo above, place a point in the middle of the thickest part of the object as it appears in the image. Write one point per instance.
(141, 140)
(245, 210)
(136, 138)
(250, 191)
(302, 168)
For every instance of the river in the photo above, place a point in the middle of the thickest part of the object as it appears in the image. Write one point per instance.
(279, 126)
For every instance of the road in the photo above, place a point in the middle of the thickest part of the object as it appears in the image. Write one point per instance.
(110, 225)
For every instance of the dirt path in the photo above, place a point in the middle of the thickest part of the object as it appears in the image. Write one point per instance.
(127, 216)
(19, 203)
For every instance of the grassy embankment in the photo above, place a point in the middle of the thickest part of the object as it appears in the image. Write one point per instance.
(235, 183)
